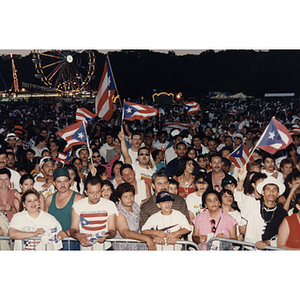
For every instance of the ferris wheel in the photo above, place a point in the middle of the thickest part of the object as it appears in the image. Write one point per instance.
(66, 71)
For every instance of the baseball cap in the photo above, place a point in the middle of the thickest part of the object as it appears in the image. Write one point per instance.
(44, 160)
(175, 132)
(163, 197)
(61, 172)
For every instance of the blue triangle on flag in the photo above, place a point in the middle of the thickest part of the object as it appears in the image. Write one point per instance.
(84, 221)
(271, 136)
(79, 134)
(129, 110)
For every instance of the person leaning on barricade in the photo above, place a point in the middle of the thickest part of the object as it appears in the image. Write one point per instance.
(265, 216)
(168, 225)
(128, 221)
(213, 222)
(93, 218)
(33, 222)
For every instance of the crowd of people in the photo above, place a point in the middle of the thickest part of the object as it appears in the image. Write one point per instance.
(148, 180)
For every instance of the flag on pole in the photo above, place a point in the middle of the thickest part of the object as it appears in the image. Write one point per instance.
(106, 90)
(191, 107)
(179, 126)
(74, 134)
(240, 155)
(84, 115)
(275, 137)
(133, 111)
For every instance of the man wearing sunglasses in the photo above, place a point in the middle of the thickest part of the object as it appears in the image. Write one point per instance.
(144, 167)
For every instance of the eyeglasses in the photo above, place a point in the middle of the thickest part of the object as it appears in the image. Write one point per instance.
(213, 223)
(95, 156)
(144, 154)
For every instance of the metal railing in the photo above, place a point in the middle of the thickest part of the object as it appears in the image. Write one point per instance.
(185, 245)
(227, 244)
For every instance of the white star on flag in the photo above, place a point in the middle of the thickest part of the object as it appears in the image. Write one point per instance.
(80, 135)
(128, 110)
(272, 134)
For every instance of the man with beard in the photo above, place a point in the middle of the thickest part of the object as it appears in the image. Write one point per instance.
(60, 204)
(160, 182)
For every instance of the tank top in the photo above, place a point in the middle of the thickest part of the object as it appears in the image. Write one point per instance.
(62, 215)
(293, 240)
(11, 196)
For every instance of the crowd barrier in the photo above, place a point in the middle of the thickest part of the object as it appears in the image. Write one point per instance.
(186, 245)
(228, 244)
(222, 244)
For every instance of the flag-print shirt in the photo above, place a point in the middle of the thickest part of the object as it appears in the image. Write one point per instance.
(94, 217)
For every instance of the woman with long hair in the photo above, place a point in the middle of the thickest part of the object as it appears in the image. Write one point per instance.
(184, 175)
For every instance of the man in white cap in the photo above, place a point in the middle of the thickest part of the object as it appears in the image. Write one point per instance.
(45, 184)
(170, 152)
(264, 216)
(84, 154)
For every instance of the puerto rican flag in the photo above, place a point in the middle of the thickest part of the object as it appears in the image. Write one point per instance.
(74, 134)
(84, 115)
(295, 131)
(191, 107)
(64, 158)
(240, 155)
(275, 137)
(106, 90)
(94, 221)
(133, 111)
(179, 126)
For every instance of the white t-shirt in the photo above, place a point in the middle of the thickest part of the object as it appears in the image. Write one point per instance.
(94, 219)
(161, 146)
(24, 222)
(15, 180)
(238, 217)
(142, 173)
(104, 149)
(170, 154)
(280, 175)
(167, 223)
(141, 195)
(194, 203)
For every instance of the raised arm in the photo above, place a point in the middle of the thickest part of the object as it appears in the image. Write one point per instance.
(124, 149)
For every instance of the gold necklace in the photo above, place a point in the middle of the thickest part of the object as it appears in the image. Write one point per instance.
(262, 214)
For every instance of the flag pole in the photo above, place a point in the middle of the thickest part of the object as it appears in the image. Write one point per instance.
(258, 142)
(114, 79)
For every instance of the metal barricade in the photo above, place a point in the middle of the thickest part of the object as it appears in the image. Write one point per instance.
(185, 245)
(227, 244)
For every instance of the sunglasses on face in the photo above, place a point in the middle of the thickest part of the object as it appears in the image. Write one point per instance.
(95, 156)
(144, 154)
